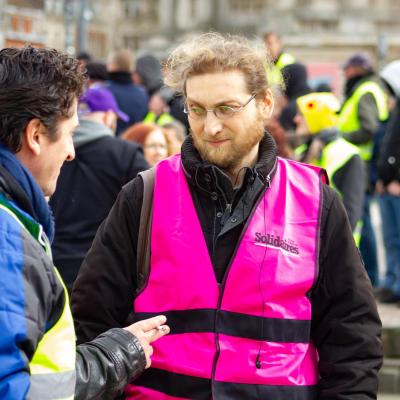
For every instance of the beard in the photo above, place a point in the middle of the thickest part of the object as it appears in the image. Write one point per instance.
(230, 156)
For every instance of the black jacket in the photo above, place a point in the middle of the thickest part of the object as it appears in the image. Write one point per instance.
(389, 155)
(345, 323)
(132, 99)
(86, 190)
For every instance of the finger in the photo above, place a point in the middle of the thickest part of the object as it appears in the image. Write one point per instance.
(148, 351)
(151, 323)
(157, 333)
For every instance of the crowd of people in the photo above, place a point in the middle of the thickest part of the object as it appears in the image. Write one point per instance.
(203, 216)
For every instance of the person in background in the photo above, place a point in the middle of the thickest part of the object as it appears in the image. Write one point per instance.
(176, 135)
(251, 256)
(281, 60)
(97, 73)
(158, 107)
(152, 138)
(363, 110)
(132, 99)
(39, 359)
(88, 185)
(324, 147)
(288, 75)
(148, 73)
(388, 188)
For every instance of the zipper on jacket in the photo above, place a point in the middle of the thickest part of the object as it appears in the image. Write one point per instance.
(221, 286)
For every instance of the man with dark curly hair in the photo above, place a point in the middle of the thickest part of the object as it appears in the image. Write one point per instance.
(39, 90)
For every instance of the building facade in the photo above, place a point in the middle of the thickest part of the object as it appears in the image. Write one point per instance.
(313, 30)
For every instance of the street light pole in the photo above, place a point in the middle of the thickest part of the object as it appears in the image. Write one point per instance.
(69, 19)
(82, 26)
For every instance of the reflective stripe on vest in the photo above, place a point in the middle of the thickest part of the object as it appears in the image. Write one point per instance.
(348, 118)
(163, 119)
(334, 156)
(218, 331)
(274, 74)
(52, 367)
(53, 364)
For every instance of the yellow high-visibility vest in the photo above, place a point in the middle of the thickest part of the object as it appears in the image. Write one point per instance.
(334, 156)
(274, 73)
(163, 119)
(348, 116)
(52, 367)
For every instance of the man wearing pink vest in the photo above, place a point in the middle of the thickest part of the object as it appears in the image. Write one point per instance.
(252, 258)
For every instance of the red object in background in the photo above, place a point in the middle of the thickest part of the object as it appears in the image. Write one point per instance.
(329, 73)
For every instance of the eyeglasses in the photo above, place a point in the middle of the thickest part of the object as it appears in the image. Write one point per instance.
(221, 112)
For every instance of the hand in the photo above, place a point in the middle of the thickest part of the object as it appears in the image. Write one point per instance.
(393, 188)
(147, 331)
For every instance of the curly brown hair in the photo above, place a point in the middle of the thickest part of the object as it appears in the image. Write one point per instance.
(214, 52)
(36, 83)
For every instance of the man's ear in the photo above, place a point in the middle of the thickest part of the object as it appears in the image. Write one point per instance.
(33, 136)
(110, 119)
(267, 105)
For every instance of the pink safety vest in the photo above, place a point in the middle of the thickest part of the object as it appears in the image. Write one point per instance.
(249, 337)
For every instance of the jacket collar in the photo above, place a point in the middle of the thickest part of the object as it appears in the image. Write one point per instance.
(120, 77)
(212, 181)
(17, 183)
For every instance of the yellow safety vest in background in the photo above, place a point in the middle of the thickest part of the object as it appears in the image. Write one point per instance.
(348, 116)
(274, 74)
(334, 156)
(163, 119)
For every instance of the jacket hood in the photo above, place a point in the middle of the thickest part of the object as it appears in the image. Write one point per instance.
(88, 131)
(391, 75)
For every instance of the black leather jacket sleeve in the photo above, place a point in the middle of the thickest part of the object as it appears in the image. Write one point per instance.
(107, 364)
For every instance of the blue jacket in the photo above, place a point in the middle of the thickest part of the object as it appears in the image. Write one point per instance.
(132, 100)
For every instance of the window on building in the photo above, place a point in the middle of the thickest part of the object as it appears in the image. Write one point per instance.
(27, 25)
(14, 23)
(141, 9)
(304, 3)
(193, 4)
(248, 6)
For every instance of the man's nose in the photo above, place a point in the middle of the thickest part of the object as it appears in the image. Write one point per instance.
(212, 124)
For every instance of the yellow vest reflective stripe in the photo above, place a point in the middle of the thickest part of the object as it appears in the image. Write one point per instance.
(357, 233)
(348, 118)
(163, 119)
(274, 74)
(336, 154)
(53, 364)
